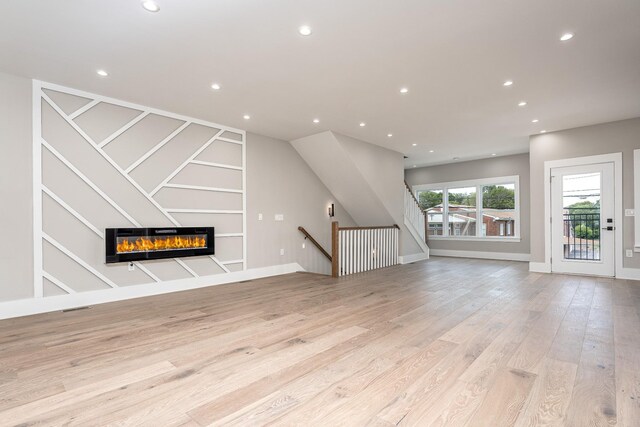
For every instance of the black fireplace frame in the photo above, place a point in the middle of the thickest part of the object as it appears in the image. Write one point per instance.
(112, 234)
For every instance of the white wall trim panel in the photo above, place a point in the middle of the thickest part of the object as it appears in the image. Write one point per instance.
(40, 188)
(26, 307)
(38, 285)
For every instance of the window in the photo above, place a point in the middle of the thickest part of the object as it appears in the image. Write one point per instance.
(482, 209)
(461, 204)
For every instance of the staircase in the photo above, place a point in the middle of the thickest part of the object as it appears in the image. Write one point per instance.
(367, 181)
(415, 219)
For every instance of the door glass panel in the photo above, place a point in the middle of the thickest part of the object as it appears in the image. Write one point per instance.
(581, 216)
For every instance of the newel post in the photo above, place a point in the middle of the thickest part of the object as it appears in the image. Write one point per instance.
(335, 245)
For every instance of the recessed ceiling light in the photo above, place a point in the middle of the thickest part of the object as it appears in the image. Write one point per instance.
(150, 5)
(305, 30)
(362, 124)
(543, 131)
(493, 154)
(316, 120)
(404, 90)
(215, 86)
(522, 103)
(102, 73)
(431, 151)
(535, 121)
(507, 83)
(414, 166)
(414, 144)
(246, 117)
(389, 135)
(566, 36)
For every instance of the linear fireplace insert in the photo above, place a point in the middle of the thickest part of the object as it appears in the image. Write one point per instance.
(135, 244)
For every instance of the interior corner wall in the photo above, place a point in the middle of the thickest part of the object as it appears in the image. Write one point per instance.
(477, 169)
(383, 169)
(277, 181)
(614, 137)
(16, 177)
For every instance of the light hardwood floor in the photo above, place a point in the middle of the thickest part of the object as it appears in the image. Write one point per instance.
(442, 342)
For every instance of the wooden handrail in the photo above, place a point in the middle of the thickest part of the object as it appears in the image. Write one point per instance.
(315, 243)
(378, 227)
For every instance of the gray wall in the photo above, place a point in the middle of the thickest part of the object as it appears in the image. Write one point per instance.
(622, 136)
(486, 168)
(16, 264)
(278, 181)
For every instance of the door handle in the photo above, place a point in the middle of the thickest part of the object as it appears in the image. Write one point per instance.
(609, 228)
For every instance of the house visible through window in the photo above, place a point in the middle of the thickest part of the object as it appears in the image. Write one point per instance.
(454, 209)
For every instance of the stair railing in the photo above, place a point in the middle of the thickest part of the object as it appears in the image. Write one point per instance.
(314, 242)
(358, 249)
(414, 214)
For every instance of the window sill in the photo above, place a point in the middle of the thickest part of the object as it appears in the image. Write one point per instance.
(475, 239)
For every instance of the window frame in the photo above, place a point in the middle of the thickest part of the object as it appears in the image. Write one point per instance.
(478, 184)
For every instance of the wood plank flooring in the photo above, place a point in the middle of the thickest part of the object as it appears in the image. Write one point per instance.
(446, 342)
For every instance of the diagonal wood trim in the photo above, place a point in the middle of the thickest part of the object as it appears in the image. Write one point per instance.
(72, 211)
(84, 109)
(216, 165)
(90, 183)
(156, 147)
(186, 267)
(58, 283)
(123, 129)
(79, 260)
(315, 243)
(186, 162)
(202, 188)
(120, 170)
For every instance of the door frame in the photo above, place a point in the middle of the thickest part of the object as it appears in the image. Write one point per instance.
(616, 159)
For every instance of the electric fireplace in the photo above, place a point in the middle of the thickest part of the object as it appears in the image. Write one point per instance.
(136, 244)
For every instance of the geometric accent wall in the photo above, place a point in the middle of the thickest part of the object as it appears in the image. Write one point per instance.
(101, 162)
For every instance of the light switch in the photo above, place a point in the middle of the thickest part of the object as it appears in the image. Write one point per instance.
(629, 253)
(259, 217)
(629, 212)
(279, 217)
(281, 251)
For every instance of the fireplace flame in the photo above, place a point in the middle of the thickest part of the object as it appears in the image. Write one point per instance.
(145, 244)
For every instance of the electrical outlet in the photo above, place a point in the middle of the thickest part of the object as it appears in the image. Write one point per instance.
(629, 253)
(281, 251)
(132, 266)
(259, 217)
(304, 245)
(629, 212)
(279, 217)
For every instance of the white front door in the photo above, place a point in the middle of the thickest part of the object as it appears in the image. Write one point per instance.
(582, 219)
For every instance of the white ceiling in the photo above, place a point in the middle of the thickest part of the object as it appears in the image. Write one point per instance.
(453, 56)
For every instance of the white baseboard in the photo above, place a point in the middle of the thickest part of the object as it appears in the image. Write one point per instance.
(540, 267)
(408, 259)
(629, 274)
(504, 256)
(26, 307)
